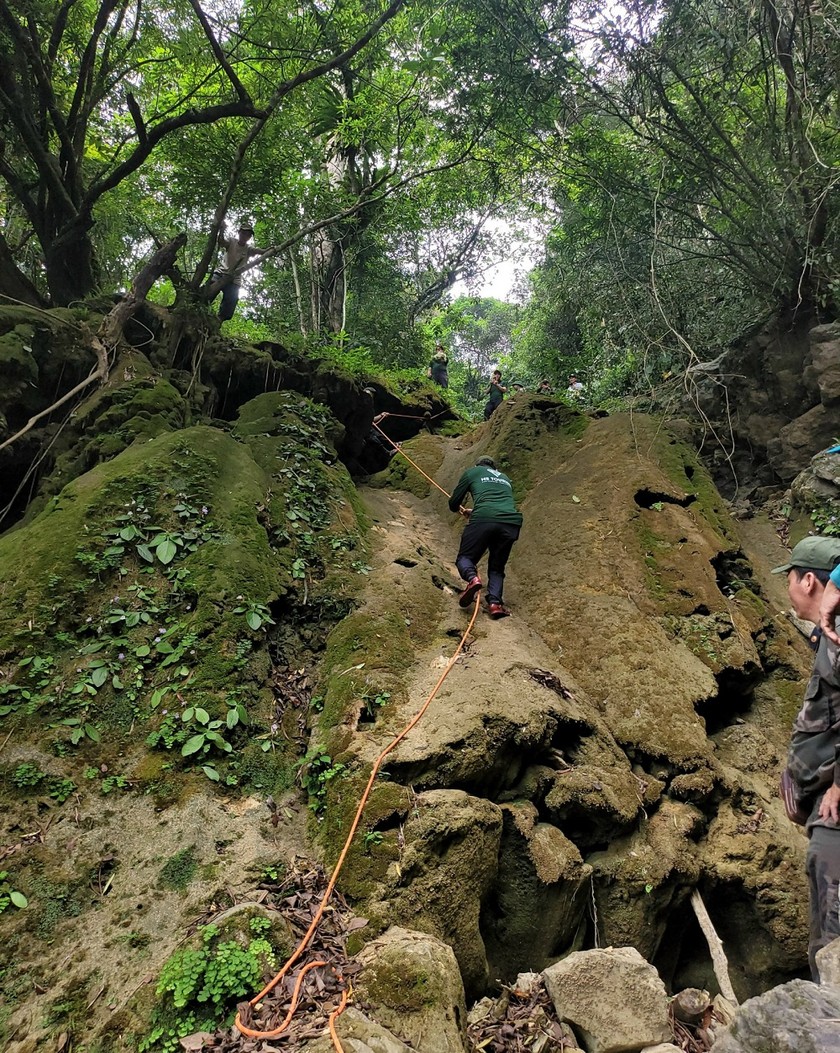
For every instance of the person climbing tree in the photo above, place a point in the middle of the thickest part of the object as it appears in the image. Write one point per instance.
(438, 367)
(494, 525)
(815, 743)
(237, 252)
(496, 391)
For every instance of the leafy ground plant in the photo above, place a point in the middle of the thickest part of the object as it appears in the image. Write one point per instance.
(10, 896)
(199, 987)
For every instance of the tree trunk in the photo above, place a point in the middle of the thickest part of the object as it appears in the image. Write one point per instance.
(14, 285)
(71, 268)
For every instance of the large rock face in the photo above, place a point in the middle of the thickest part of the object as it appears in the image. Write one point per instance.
(595, 757)
(774, 398)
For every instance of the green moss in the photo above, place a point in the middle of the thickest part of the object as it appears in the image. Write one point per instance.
(400, 987)
(790, 694)
(52, 902)
(683, 468)
(272, 772)
(179, 870)
(427, 453)
(378, 642)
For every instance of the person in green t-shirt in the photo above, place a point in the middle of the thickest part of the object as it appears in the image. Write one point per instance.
(494, 524)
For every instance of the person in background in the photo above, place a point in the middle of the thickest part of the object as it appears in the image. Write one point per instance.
(814, 750)
(575, 388)
(439, 367)
(496, 391)
(494, 525)
(545, 387)
(237, 252)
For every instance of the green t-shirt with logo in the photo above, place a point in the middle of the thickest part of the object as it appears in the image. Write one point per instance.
(492, 495)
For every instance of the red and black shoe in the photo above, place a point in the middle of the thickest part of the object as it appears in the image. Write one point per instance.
(467, 596)
(497, 610)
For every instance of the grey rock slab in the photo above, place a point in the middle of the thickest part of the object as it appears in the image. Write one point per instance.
(797, 1017)
(612, 997)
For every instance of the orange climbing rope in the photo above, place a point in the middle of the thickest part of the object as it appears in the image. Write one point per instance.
(399, 449)
(252, 1033)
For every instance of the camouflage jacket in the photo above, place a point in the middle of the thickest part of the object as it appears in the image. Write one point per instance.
(814, 749)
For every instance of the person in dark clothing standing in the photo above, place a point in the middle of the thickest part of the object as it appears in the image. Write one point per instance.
(496, 391)
(814, 751)
(439, 367)
(494, 524)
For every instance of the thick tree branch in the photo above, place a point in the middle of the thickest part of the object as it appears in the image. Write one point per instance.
(221, 58)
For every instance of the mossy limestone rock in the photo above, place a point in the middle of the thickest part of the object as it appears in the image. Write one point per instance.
(359, 1034)
(445, 874)
(412, 983)
(541, 894)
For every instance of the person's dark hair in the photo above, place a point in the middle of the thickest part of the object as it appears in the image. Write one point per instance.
(820, 575)
(485, 462)
(497, 372)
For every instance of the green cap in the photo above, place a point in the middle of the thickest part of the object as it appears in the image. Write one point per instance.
(813, 553)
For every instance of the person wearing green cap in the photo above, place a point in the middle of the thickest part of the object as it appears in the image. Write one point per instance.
(494, 524)
(814, 751)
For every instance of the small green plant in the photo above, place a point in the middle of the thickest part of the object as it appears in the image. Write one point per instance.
(373, 703)
(208, 737)
(9, 896)
(256, 614)
(372, 837)
(826, 519)
(317, 770)
(26, 775)
(199, 987)
(108, 783)
(61, 789)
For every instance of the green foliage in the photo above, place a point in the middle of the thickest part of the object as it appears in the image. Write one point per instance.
(317, 771)
(198, 987)
(826, 518)
(10, 896)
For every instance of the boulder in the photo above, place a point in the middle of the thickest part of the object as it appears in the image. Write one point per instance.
(797, 1017)
(413, 987)
(801, 439)
(822, 365)
(613, 999)
(828, 964)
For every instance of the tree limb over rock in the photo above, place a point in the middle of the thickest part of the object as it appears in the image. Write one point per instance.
(104, 342)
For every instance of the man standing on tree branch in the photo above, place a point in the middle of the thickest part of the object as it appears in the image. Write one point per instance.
(237, 253)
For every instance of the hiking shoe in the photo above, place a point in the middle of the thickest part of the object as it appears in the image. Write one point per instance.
(466, 597)
(497, 610)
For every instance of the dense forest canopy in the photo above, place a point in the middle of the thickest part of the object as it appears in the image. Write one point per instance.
(681, 156)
